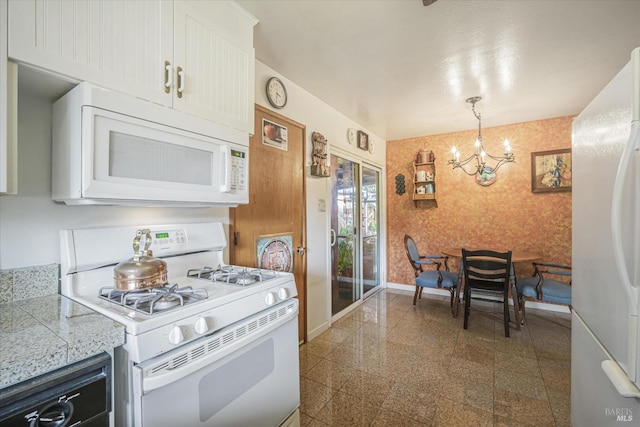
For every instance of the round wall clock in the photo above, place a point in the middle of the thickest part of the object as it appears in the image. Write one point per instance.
(276, 92)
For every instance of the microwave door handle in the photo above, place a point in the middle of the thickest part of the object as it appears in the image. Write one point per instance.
(225, 169)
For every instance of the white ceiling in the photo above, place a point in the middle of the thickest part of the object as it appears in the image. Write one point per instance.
(401, 69)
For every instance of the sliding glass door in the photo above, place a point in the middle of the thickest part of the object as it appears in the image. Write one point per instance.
(370, 208)
(355, 224)
(344, 234)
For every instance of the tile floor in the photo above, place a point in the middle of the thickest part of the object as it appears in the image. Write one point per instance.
(389, 363)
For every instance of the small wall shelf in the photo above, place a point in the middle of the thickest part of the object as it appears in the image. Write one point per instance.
(424, 183)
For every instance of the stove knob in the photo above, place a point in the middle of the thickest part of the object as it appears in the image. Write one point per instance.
(201, 326)
(283, 293)
(270, 298)
(176, 336)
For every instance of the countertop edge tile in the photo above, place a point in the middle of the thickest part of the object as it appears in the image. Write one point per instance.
(76, 332)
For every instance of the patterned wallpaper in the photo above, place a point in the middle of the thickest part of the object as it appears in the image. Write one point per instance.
(505, 215)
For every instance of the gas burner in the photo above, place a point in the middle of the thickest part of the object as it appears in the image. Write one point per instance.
(238, 276)
(154, 300)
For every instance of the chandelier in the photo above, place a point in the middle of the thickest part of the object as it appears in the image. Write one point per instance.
(480, 155)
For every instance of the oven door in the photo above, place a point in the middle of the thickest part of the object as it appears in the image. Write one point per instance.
(244, 375)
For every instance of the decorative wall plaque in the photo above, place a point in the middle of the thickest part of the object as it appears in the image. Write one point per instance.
(319, 166)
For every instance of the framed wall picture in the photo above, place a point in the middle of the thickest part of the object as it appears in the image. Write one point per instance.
(551, 171)
(274, 135)
(363, 141)
(275, 252)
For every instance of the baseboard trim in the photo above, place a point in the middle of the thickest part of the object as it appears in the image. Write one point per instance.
(435, 291)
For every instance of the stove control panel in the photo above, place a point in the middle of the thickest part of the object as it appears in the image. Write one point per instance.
(196, 321)
(167, 240)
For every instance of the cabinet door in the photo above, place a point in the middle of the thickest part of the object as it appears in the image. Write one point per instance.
(8, 113)
(213, 46)
(117, 44)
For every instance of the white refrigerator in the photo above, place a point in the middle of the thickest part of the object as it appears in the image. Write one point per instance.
(605, 332)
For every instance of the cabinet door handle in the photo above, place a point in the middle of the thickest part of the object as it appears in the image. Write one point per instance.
(168, 76)
(180, 81)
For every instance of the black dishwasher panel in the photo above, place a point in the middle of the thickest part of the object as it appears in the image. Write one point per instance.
(78, 394)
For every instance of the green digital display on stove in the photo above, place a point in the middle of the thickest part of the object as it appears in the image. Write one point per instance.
(236, 153)
(162, 235)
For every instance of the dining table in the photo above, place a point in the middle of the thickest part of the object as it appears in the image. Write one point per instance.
(517, 256)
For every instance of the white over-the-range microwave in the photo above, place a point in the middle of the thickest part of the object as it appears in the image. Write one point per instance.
(110, 148)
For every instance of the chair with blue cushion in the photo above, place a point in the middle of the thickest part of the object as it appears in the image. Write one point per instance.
(551, 283)
(425, 277)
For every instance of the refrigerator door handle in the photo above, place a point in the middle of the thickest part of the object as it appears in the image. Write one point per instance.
(616, 209)
(618, 378)
(633, 293)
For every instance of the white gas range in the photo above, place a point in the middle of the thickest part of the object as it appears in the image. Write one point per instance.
(188, 336)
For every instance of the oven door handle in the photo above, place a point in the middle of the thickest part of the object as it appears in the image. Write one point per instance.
(157, 373)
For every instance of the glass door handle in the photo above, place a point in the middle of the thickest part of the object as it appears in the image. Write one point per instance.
(333, 237)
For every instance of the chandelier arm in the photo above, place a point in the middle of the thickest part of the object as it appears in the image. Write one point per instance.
(502, 162)
(507, 158)
(462, 162)
(475, 172)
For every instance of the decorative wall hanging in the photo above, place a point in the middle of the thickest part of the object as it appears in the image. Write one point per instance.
(363, 141)
(319, 166)
(275, 252)
(400, 184)
(351, 136)
(274, 135)
(551, 171)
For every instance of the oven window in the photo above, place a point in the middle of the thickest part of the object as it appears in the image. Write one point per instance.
(224, 385)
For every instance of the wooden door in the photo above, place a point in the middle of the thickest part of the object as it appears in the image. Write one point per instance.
(276, 200)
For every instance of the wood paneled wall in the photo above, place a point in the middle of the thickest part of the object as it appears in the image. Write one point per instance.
(505, 215)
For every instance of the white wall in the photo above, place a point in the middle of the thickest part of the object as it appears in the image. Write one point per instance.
(318, 116)
(29, 222)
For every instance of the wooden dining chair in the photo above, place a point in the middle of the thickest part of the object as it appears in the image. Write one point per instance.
(551, 283)
(487, 278)
(440, 277)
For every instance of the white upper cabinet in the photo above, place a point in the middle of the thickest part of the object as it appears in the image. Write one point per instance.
(195, 56)
(120, 45)
(8, 113)
(215, 62)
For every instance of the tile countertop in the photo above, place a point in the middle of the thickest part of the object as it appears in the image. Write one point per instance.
(38, 335)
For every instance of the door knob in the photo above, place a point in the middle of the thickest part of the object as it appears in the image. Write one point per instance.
(301, 250)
